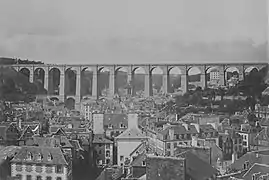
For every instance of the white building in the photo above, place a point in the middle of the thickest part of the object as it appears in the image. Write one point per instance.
(40, 163)
(214, 75)
(129, 140)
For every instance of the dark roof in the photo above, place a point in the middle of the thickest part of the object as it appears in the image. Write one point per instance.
(9, 151)
(56, 154)
(115, 120)
(180, 129)
(3, 132)
(27, 130)
(132, 133)
(207, 128)
(260, 157)
(139, 159)
(76, 145)
(256, 168)
(101, 139)
(196, 168)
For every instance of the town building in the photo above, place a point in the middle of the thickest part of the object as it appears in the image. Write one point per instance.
(129, 140)
(38, 163)
(104, 149)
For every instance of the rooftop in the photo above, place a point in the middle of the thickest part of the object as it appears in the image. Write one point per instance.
(49, 155)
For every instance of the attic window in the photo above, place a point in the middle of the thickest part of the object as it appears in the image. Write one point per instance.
(110, 126)
(121, 125)
(29, 156)
(143, 163)
(39, 157)
(49, 157)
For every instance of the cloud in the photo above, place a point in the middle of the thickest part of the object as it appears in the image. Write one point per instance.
(125, 31)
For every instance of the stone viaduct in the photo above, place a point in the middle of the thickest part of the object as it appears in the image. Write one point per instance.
(130, 68)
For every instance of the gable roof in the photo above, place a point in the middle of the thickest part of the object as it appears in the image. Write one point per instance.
(56, 154)
(101, 139)
(260, 157)
(196, 168)
(131, 133)
(28, 130)
(256, 168)
(115, 120)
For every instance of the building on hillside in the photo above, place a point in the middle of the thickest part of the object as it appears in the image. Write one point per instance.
(174, 135)
(10, 134)
(249, 159)
(262, 111)
(104, 149)
(41, 163)
(129, 140)
(6, 154)
(112, 124)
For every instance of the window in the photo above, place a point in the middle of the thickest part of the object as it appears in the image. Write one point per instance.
(28, 177)
(110, 126)
(121, 125)
(144, 163)
(58, 178)
(168, 146)
(121, 158)
(244, 143)
(48, 178)
(29, 156)
(107, 146)
(107, 161)
(107, 153)
(19, 176)
(39, 157)
(49, 157)
(38, 178)
(59, 169)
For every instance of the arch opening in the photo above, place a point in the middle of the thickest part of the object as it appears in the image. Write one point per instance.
(70, 103)
(25, 72)
(156, 81)
(103, 81)
(194, 78)
(138, 82)
(213, 77)
(122, 81)
(70, 82)
(54, 81)
(231, 76)
(86, 82)
(174, 80)
(39, 79)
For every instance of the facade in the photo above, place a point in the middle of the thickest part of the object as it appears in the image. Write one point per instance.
(174, 135)
(104, 149)
(39, 163)
(129, 140)
(262, 111)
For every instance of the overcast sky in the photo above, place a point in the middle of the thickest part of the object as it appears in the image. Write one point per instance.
(134, 31)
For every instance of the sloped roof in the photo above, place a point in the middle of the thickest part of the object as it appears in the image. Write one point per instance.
(207, 128)
(101, 139)
(139, 159)
(131, 133)
(256, 168)
(260, 157)
(196, 168)
(56, 154)
(180, 129)
(27, 129)
(9, 151)
(115, 120)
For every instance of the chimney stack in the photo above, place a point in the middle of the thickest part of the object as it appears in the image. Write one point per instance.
(98, 123)
(132, 120)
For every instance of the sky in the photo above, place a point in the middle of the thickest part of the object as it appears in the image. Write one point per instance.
(128, 31)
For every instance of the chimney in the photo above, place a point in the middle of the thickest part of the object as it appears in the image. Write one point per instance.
(194, 141)
(98, 123)
(166, 126)
(186, 126)
(171, 133)
(197, 127)
(234, 157)
(132, 120)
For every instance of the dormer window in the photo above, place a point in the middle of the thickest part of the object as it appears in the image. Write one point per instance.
(39, 157)
(49, 157)
(29, 156)
(143, 163)
(110, 126)
(121, 125)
